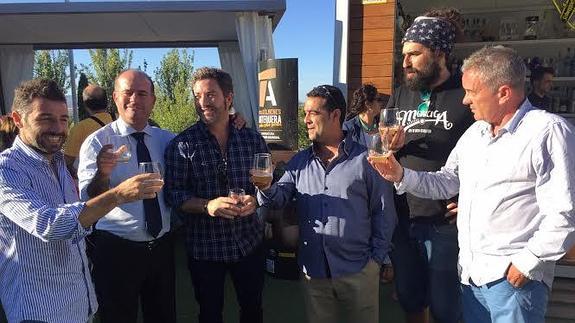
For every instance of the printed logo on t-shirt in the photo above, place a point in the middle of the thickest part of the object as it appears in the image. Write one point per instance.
(413, 120)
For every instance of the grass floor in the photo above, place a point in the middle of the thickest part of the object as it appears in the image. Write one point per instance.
(283, 300)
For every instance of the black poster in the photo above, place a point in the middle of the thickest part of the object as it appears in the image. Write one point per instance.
(278, 88)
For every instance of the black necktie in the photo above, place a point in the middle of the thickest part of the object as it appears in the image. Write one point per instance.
(151, 206)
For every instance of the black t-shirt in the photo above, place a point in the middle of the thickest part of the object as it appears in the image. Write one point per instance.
(540, 102)
(429, 138)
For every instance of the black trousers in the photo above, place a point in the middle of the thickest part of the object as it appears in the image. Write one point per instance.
(247, 276)
(126, 272)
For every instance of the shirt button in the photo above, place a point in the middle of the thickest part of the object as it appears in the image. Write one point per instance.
(305, 243)
(325, 188)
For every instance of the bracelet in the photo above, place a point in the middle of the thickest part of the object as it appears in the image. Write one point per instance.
(206, 207)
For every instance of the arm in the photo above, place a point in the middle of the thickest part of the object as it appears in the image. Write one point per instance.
(278, 195)
(180, 188)
(382, 213)
(30, 211)
(553, 162)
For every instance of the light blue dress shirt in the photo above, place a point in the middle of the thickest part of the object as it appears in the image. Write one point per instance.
(44, 273)
(127, 220)
(516, 195)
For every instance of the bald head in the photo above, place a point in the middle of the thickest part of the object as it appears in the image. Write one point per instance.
(95, 98)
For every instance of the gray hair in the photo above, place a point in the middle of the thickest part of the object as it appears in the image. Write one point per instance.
(497, 66)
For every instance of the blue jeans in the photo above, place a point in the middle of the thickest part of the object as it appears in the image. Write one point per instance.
(424, 258)
(500, 302)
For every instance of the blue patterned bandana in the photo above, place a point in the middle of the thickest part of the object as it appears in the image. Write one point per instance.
(435, 33)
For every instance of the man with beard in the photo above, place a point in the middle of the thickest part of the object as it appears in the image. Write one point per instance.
(431, 112)
(132, 252)
(44, 274)
(344, 227)
(203, 163)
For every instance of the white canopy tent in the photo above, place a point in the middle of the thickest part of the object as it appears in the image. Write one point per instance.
(241, 30)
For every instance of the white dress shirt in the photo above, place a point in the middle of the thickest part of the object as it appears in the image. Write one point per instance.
(516, 195)
(128, 220)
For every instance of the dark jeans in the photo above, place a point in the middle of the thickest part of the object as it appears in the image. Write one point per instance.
(247, 275)
(424, 258)
(126, 272)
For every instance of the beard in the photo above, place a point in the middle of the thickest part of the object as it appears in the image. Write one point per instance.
(423, 79)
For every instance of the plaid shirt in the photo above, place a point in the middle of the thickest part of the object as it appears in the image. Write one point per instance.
(195, 167)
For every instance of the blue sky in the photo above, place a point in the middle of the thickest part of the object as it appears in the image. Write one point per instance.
(305, 31)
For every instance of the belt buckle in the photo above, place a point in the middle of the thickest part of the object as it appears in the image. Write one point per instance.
(151, 244)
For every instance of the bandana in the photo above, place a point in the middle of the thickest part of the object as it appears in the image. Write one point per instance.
(435, 33)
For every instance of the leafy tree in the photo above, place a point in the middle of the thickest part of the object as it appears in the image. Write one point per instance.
(106, 64)
(82, 84)
(52, 64)
(174, 109)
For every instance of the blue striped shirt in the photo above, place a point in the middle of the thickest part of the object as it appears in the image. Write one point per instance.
(43, 266)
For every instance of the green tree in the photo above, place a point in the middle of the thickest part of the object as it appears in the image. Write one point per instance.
(82, 84)
(174, 109)
(106, 64)
(52, 64)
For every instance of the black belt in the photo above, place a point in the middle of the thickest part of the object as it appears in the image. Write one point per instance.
(152, 244)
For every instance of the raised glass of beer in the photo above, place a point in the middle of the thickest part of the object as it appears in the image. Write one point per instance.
(262, 167)
(377, 150)
(388, 126)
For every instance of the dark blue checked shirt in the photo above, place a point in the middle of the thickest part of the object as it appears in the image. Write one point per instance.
(44, 274)
(195, 167)
(340, 209)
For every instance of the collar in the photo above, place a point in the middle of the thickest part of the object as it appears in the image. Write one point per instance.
(124, 129)
(32, 153)
(344, 146)
(204, 128)
(511, 125)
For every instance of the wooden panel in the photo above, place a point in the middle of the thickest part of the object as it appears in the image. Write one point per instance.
(372, 23)
(370, 47)
(371, 35)
(351, 2)
(370, 59)
(387, 9)
(370, 71)
(378, 82)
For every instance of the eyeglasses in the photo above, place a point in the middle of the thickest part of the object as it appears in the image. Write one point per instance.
(425, 96)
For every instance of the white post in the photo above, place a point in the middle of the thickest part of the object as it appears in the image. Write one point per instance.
(73, 85)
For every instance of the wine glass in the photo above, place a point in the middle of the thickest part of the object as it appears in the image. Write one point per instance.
(238, 195)
(262, 167)
(121, 146)
(388, 126)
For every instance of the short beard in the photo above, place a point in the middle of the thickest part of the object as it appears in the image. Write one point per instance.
(423, 79)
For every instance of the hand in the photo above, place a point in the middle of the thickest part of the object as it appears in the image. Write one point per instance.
(515, 277)
(390, 169)
(224, 207)
(451, 212)
(398, 140)
(261, 182)
(238, 120)
(386, 274)
(106, 160)
(142, 186)
(249, 205)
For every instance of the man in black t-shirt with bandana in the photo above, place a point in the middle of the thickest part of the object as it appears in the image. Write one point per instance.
(433, 118)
